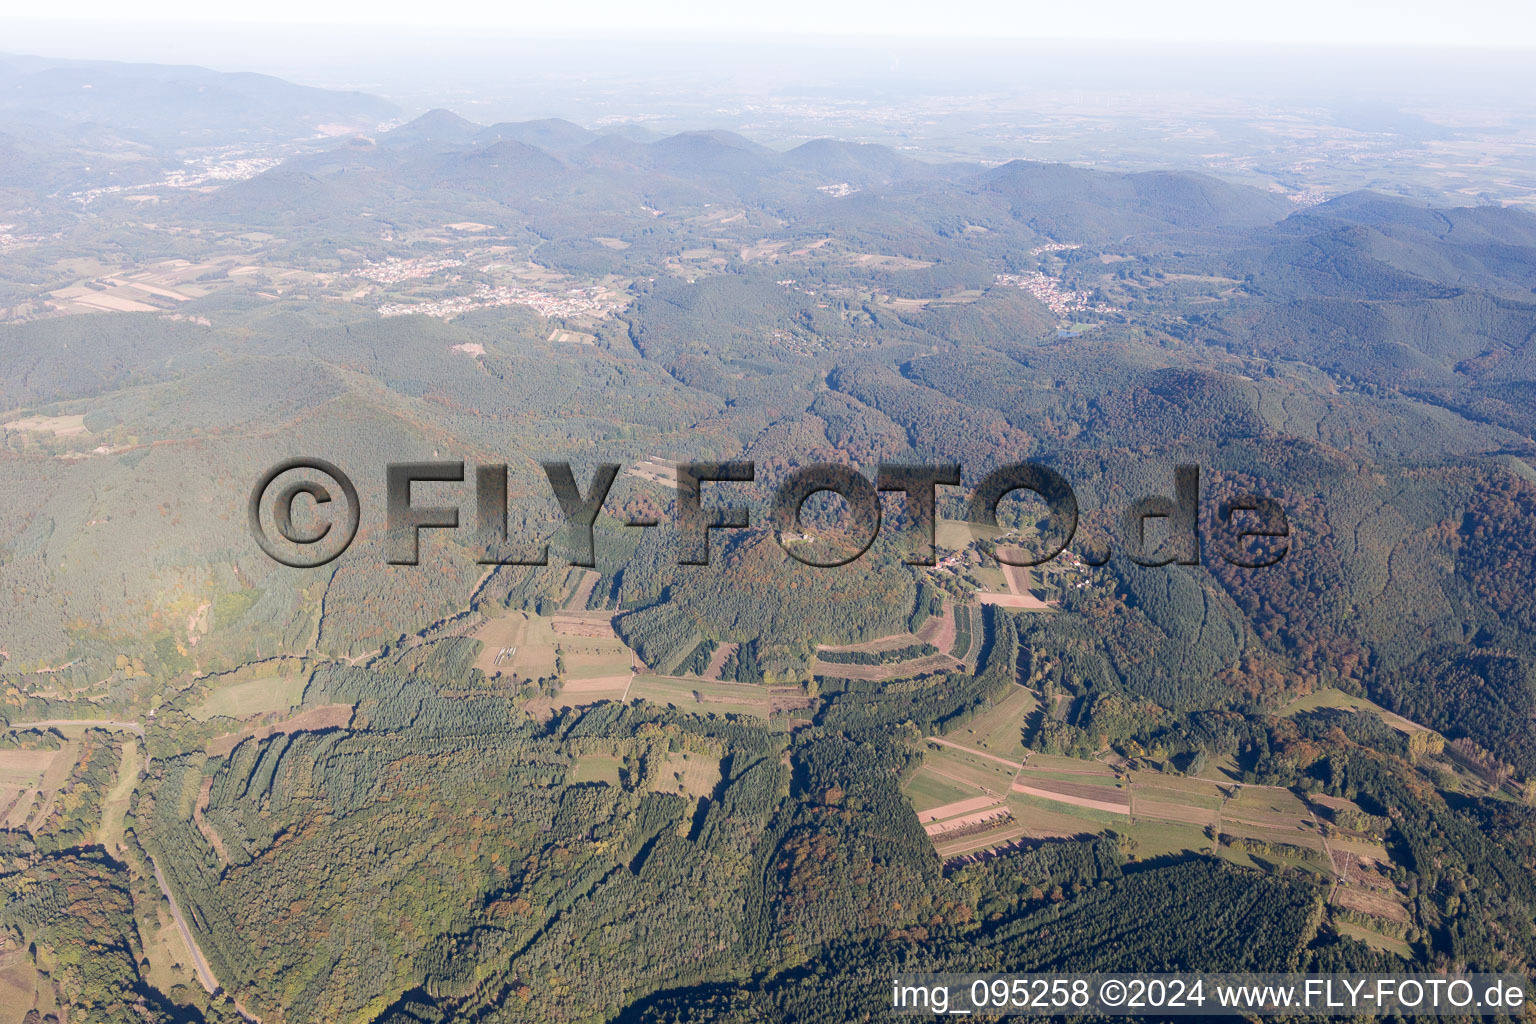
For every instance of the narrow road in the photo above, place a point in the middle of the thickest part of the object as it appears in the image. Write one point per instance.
(200, 965)
(972, 750)
(199, 962)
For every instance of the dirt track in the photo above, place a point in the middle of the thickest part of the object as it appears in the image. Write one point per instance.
(974, 803)
(1075, 801)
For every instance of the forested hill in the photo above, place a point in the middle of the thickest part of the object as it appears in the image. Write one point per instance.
(653, 790)
(157, 103)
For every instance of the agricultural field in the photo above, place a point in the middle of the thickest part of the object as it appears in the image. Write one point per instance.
(164, 286)
(518, 644)
(1148, 839)
(718, 659)
(57, 426)
(1175, 799)
(981, 772)
(594, 661)
(958, 808)
(583, 592)
(1266, 806)
(928, 790)
(1077, 794)
(993, 583)
(1054, 817)
(1011, 587)
(25, 768)
(22, 774)
(19, 985)
(1021, 582)
(1156, 813)
(939, 630)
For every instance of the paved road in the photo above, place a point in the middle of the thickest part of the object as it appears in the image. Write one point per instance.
(199, 962)
(100, 723)
(200, 965)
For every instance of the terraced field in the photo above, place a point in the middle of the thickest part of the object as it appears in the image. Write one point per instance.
(906, 668)
(717, 696)
(962, 789)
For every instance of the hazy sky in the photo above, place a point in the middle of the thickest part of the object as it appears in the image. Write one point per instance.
(1438, 23)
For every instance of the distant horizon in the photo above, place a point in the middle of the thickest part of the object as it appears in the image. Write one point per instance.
(424, 66)
(1491, 24)
(26, 34)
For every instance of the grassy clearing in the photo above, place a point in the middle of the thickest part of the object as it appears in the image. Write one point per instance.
(1000, 730)
(1327, 697)
(258, 696)
(595, 768)
(694, 775)
(1072, 765)
(1359, 848)
(702, 696)
(1242, 859)
(1221, 769)
(1373, 938)
(970, 769)
(115, 807)
(164, 948)
(956, 534)
(1266, 806)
